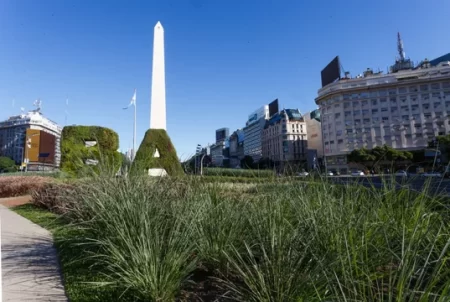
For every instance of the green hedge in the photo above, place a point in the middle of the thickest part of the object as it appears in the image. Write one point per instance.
(238, 172)
(74, 153)
(168, 159)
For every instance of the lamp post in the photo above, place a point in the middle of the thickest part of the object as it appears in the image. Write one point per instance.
(197, 152)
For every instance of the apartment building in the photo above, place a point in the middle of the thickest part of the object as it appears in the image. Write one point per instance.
(253, 132)
(314, 138)
(32, 138)
(404, 109)
(284, 138)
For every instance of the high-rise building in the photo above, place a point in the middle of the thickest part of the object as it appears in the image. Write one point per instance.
(222, 134)
(253, 133)
(284, 138)
(31, 137)
(236, 148)
(403, 109)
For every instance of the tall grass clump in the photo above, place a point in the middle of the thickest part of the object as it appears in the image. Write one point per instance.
(140, 238)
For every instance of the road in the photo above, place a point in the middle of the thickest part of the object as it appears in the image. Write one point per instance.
(434, 185)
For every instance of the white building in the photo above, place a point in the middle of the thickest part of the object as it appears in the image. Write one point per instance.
(314, 138)
(284, 138)
(253, 133)
(13, 135)
(404, 109)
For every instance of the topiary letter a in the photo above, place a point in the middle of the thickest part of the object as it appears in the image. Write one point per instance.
(157, 152)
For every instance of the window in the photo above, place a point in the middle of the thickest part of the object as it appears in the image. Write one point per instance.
(393, 100)
(413, 97)
(337, 115)
(357, 112)
(383, 93)
(405, 117)
(384, 109)
(385, 118)
(364, 103)
(357, 121)
(414, 107)
(375, 93)
(355, 96)
(427, 115)
(339, 133)
(347, 113)
(394, 109)
(405, 108)
(436, 95)
(425, 106)
(417, 126)
(425, 96)
(392, 91)
(438, 114)
(374, 111)
(416, 116)
(340, 141)
(366, 121)
(346, 96)
(364, 95)
(436, 105)
(355, 104)
(423, 87)
(346, 105)
(337, 105)
(374, 102)
(446, 85)
(418, 135)
(331, 142)
(435, 86)
(402, 90)
(338, 123)
(383, 101)
(365, 112)
(349, 131)
(447, 104)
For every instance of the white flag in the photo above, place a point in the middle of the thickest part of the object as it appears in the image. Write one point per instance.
(133, 100)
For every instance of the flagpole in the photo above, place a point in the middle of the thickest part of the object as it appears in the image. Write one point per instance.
(134, 132)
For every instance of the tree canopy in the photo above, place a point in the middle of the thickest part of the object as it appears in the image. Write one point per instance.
(7, 164)
(378, 154)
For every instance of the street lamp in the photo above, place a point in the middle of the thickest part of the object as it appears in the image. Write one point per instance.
(197, 152)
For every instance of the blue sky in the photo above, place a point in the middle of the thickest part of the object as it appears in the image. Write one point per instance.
(224, 59)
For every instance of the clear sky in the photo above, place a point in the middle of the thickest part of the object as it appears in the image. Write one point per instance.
(224, 59)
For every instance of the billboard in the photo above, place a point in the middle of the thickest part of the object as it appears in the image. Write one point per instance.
(32, 145)
(262, 112)
(222, 134)
(331, 72)
(273, 108)
(47, 146)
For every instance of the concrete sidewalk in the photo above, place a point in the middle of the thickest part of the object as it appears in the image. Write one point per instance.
(30, 267)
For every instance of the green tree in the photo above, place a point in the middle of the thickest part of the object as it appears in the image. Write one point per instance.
(7, 164)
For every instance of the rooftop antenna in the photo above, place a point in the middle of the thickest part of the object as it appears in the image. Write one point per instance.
(400, 49)
(37, 103)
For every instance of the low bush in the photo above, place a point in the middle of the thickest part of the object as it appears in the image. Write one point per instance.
(12, 186)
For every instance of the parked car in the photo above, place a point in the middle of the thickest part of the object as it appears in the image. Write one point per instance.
(329, 173)
(304, 173)
(432, 174)
(357, 173)
(401, 173)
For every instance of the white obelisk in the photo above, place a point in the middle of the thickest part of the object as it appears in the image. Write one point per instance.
(158, 101)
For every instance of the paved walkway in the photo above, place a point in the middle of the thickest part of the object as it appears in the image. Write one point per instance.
(30, 268)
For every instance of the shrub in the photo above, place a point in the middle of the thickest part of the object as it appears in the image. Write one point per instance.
(74, 153)
(12, 186)
(157, 139)
(238, 172)
(55, 196)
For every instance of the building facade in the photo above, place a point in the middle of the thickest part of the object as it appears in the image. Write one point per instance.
(237, 139)
(253, 133)
(32, 138)
(404, 109)
(314, 138)
(222, 134)
(217, 154)
(284, 138)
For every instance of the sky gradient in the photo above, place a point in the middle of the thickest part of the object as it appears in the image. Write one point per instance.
(224, 59)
